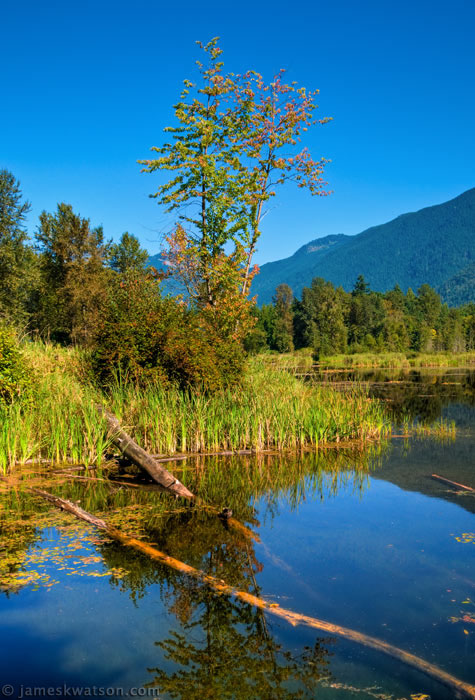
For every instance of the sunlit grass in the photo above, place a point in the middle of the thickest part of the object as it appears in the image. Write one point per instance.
(398, 360)
(272, 410)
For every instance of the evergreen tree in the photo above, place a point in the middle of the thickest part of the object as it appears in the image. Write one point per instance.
(127, 256)
(16, 258)
(73, 279)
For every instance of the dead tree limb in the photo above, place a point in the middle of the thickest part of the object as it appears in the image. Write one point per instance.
(465, 690)
(454, 484)
(141, 458)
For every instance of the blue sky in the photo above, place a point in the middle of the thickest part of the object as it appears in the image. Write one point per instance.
(87, 88)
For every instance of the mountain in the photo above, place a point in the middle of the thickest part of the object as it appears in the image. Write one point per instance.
(435, 245)
(290, 269)
(460, 288)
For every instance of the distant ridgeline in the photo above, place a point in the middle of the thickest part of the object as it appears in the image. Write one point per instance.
(434, 246)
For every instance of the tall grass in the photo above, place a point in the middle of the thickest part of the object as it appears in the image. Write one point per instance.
(398, 360)
(58, 423)
(272, 409)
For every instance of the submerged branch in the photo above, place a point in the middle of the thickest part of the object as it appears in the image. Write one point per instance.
(463, 689)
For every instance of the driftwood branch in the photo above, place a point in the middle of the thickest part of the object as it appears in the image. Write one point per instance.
(454, 484)
(141, 458)
(462, 689)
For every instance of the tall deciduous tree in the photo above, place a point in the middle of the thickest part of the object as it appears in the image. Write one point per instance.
(236, 141)
(283, 328)
(322, 309)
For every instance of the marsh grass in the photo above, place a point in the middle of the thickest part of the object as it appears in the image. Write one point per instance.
(442, 429)
(398, 360)
(58, 422)
(272, 409)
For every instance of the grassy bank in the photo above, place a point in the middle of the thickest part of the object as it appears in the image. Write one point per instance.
(272, 410)
(301, 361)
(398, 360)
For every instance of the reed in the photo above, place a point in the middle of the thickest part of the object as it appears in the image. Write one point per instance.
(272, 409)
(398, 360)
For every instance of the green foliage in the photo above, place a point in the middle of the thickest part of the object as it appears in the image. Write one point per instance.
(144, 338)
(16, 259)
(271, 409)
(332, 321)
(282, 340)
(15, 377)
(322, 315)
(127, 256)
(73, 277)
(233, 144)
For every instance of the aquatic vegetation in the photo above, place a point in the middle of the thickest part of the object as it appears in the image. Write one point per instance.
(443, 430)
(398, 360)
(466, 538)
(272, 410)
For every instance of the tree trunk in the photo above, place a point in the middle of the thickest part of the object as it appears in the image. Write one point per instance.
(138, 456)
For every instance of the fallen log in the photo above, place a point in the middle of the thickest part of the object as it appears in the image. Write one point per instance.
(141, 458)
(162, 476)
(462, 689)
(455, 484)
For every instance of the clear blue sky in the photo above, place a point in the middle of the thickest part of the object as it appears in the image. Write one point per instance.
(87, 88)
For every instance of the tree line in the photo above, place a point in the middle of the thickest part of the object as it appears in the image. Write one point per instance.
(235, 140)
(71, 286)
(332, 321)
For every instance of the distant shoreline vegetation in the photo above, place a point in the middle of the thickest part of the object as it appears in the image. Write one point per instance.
(332, 322)
(301, 361)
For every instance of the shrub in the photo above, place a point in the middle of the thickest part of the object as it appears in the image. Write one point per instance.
(15, 378)
(146, 338)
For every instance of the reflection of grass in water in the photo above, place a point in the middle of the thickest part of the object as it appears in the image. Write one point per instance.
(442, 429)
(155, 516)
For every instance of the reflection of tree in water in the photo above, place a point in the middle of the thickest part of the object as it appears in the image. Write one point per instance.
(411, 394)
(226, 650)
(192, 535)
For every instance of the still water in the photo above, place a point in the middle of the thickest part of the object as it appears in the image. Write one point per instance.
(370, 542)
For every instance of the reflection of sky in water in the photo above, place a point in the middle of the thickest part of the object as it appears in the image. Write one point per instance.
(376, 554)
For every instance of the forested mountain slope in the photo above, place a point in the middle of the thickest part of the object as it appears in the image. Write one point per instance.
(434, 246)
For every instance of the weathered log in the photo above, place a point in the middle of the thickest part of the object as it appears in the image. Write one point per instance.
(462, 689)
(455, 484)
(141, 458)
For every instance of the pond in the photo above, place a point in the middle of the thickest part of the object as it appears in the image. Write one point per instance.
(369, 541)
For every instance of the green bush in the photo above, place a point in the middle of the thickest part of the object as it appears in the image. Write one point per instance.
(146, 338)
(15, 378)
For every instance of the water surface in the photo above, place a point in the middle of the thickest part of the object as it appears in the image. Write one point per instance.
(370, 542)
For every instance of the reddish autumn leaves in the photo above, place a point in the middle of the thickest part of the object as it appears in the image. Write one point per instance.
(236, 141)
